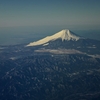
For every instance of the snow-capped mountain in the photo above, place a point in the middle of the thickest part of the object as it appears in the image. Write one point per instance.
(49, 69)
(63, 35)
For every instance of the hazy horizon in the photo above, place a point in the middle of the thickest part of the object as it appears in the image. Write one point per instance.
(13, 37)
(22, 20)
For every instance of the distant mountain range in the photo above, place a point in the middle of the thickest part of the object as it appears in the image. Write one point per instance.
(64, 66)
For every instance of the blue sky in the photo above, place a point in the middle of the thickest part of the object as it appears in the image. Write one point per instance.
(23, 20)
(50, 13)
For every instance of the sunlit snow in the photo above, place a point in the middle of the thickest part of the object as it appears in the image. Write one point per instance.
(64, 35)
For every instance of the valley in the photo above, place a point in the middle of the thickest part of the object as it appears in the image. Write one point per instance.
(59, 69)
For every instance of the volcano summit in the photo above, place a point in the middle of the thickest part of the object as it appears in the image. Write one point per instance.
(63, 35)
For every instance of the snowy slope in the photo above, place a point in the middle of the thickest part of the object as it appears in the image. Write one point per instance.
(64, 35)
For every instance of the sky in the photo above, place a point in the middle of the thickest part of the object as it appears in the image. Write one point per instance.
(19, 13)
(44, 15)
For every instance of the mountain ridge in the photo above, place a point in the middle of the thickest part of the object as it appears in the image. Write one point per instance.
(63, 35)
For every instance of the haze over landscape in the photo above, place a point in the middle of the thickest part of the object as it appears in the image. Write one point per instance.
(49, 49)
(22, 20)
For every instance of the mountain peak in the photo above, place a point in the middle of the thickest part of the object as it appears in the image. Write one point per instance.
(63, 34)
(68, 35)
(65, 30)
